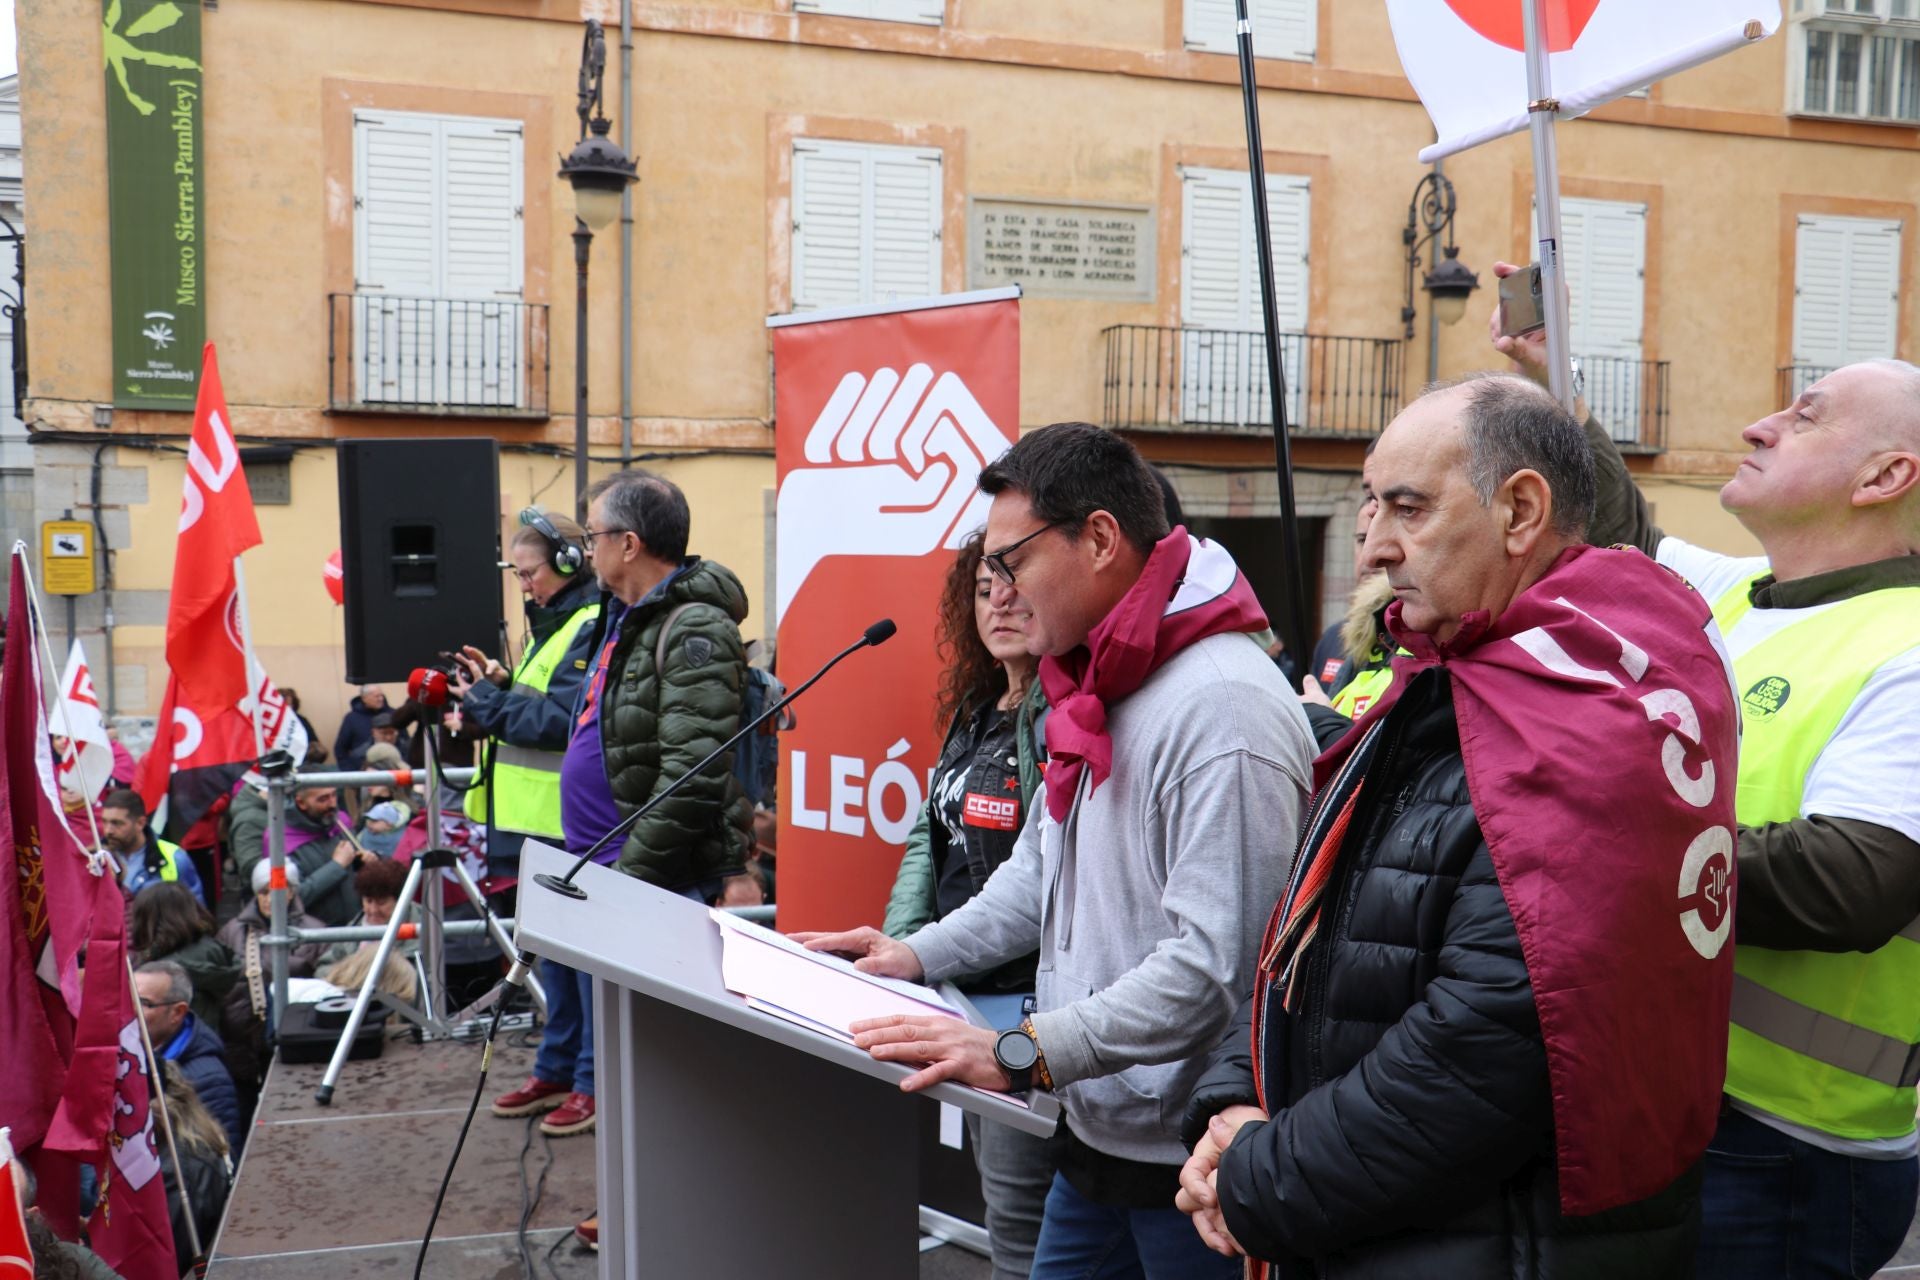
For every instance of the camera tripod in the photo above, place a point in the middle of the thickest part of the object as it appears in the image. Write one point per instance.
(431, 1018)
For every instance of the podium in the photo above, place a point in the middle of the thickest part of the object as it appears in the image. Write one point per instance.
(731, 1142)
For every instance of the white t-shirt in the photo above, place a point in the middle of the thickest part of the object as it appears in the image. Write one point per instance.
(1869, 770)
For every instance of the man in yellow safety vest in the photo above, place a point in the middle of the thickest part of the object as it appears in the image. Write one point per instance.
(1813, 1170)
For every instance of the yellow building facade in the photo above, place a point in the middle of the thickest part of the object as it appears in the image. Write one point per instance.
(794, 153)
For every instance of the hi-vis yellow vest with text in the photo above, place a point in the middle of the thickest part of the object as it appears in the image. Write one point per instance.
(1826, 1040)
(526, 782)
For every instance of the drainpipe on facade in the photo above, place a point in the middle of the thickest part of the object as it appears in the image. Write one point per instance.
(106, 563)
(626, 237)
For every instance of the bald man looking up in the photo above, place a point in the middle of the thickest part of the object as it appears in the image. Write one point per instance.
(1813, 1170)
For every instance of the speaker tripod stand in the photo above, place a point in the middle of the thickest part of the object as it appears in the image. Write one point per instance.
(431, 1017)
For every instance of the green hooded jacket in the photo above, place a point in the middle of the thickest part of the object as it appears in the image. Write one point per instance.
(656, 725)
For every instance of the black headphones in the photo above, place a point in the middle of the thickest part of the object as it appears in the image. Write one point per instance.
(565, 557)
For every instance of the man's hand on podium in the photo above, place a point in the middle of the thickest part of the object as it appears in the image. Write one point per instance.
(870, 950)
(953, 1050)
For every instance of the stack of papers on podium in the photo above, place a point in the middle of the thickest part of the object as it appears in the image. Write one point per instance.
(819, 991)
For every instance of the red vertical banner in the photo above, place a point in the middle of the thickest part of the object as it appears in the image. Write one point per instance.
(884, 419)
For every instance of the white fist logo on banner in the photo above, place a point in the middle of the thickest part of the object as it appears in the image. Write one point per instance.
(891, 470)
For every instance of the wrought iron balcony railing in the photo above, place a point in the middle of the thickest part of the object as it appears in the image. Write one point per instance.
(1215, 380)
(1795, 378)
(464, 357)
(1629, 398)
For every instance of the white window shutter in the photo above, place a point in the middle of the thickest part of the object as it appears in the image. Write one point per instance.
(1224, 370)
(396, 203)
(1603, 250)
(905, 235)
(1846, 291)
(924, 12)
(439, 260)
(1281, 28)
(828, 197)
(1284, 28)
(1208, 25)
(866, 223)
(484, 244)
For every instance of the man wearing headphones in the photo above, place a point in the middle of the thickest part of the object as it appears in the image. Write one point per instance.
(527, 717)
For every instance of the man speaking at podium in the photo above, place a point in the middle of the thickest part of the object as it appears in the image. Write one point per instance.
(1179, 762)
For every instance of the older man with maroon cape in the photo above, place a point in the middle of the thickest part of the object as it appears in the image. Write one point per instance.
(1488, 1026)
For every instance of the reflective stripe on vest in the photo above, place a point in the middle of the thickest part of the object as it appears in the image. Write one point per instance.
(525, 781)
(1822, 1039)
(1362, 692)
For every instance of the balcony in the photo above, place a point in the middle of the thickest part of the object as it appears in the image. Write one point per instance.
(1795, 378)
(441, 357)
(1629, 398)
(1214, 381)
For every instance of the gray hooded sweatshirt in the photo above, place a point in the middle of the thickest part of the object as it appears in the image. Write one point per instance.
(1148, 902)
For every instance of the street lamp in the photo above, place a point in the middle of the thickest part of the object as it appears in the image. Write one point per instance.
(1447, 285)
(599, 171)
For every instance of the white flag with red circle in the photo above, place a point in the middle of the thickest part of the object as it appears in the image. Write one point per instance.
(1467, 58)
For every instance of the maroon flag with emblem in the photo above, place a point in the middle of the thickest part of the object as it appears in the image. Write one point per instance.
(73, 1077)
(1600, 733)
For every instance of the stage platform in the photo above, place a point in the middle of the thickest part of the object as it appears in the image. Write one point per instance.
(345, 1190)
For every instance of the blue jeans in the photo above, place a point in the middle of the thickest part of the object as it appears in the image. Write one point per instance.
(1776, 1208)
(1081, 1240)
(566, 1046)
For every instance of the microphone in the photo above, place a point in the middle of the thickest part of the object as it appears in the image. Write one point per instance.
(428, 686)
(879, 633)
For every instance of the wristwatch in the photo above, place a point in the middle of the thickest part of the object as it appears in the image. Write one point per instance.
(1016, 1051)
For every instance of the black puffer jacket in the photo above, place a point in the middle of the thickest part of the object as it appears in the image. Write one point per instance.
(1416, 1133)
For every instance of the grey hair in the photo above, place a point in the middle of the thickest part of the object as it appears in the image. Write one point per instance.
(179, 985)
(1514, 425)
(650, 506)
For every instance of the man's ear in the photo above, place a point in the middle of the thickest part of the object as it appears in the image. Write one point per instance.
(1526, 506)
(1105, 541)
(1886, 478)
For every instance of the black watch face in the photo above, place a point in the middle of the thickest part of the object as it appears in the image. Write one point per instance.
(1016, 1051)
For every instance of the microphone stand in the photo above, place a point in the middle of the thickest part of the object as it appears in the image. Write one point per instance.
(878, 633)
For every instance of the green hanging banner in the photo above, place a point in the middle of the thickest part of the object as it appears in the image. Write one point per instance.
(155, 201)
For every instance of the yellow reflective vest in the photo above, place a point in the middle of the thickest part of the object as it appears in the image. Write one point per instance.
(526, 781)
(1829, 1040)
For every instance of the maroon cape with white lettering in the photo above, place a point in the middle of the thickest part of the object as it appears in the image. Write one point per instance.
(1600, 733)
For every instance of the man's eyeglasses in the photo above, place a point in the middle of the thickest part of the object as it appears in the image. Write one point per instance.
(586, 538)
(158, 1004)
(525, 575)
(996, 561)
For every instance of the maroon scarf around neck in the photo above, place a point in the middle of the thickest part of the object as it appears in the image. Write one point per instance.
(1188, 590)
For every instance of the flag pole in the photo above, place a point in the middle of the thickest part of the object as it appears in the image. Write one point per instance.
(59, 703)
(1296, 630)
(38, 615)
(246, 643)
(1542, 108)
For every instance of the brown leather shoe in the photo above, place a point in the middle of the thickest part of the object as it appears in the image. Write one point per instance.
(531, 1098)
(575, 1115)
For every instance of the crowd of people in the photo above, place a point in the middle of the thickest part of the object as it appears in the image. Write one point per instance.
(1469, 1027)
(1384, 974)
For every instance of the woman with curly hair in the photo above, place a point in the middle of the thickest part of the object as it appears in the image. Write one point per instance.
(991, 707)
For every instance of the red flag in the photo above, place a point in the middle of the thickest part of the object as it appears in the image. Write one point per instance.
(75, 1079)
(216, 524)
(16, 1255)
(206, 736)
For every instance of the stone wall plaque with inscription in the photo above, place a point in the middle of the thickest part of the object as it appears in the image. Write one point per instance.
(1096, 251)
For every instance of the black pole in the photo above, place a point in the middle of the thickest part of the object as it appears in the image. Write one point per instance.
(1296, 629)
(582, 244)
